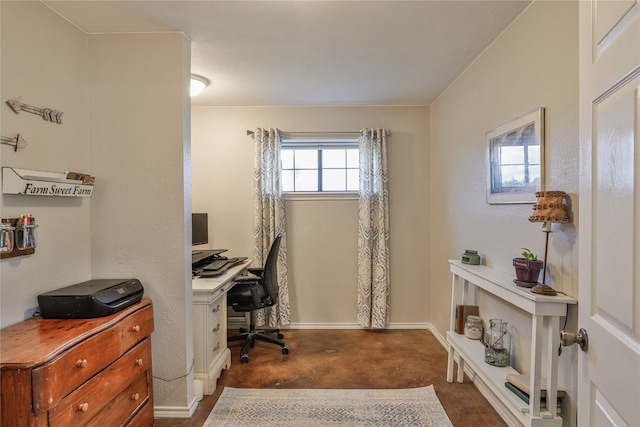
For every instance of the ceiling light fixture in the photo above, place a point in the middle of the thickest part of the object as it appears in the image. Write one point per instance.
(198, 83)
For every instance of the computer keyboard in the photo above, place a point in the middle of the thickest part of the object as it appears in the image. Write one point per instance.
(215, 265)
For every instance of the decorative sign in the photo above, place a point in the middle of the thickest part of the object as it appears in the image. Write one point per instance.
(36, 183)
(18, 142)
(48, 114)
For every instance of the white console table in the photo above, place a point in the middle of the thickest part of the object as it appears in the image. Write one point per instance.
(210, 350)
(545, 314)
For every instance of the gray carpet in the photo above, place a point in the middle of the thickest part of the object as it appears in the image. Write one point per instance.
(244, 407)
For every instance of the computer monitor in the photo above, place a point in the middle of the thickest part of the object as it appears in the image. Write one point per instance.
(199, 229)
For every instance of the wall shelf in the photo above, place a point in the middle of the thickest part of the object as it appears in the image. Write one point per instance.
(545, 312)
(39, 183)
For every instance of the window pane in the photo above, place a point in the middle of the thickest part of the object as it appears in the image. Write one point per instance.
(287, 180)
(333, 180)
(287, 159)
(333, 158)
(352, 180)
(534, 175)
(306, 159)
(534, 154)
(353, 158)
(511, 155)
(306, 180)
(512, 176)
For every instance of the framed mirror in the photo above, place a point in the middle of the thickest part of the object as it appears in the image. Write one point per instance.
(515, 159)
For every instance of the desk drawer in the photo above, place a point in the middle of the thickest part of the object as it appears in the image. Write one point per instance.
(88, 400)
(54, 380)
(214, 311)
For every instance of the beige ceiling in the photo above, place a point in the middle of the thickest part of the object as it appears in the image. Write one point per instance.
(259, 53)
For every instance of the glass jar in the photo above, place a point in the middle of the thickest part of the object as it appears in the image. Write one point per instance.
(26, 236)
(473, 327)
(497, 341)
(6, 236)
(471, 257)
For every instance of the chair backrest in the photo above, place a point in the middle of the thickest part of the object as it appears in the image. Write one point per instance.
(270, 274)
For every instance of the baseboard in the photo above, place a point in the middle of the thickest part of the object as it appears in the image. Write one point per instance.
(235, 324)
(176, 411)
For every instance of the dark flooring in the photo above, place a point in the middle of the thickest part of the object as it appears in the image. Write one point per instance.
(345, 359)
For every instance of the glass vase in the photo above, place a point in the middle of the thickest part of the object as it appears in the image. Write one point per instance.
(497, 343)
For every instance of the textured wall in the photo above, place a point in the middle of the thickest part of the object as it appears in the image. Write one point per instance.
(52, 75)
(534, 63)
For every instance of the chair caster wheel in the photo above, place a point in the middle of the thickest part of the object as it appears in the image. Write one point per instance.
(285, 350)
(280, 336)
(244, 358)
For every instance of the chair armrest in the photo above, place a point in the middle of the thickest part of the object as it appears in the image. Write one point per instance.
(256, 271)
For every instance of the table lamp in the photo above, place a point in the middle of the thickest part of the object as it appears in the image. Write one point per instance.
(549, 208)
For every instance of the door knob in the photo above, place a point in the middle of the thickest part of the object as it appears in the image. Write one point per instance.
(569, 338)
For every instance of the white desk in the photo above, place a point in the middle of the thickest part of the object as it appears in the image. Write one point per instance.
(210, 326)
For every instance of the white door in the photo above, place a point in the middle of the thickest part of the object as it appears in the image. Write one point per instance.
(609, 229)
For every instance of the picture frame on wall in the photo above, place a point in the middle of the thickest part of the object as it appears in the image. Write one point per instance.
(515, 159)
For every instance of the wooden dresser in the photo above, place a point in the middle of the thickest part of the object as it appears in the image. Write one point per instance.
(78, 372)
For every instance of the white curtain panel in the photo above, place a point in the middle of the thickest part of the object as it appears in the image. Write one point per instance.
(373, 231)
(268, 219)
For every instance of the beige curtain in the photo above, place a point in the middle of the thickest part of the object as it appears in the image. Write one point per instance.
(373, 231)
(268, 218)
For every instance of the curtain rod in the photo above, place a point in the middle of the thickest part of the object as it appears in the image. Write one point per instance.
(318, 134)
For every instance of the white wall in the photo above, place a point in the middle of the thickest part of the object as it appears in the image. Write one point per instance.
(126, 121)
(52, 75)
(139, 109)
(534, 63)
(321, 234)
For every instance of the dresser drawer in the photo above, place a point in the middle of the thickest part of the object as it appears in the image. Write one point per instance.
(125, 405)
(144, 418)
(54, 380)
(88, 400)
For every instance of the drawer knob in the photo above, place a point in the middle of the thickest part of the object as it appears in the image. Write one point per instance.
(83, 407)
(216, 309)
(217, 328)
(136, 329)
(135, 396)
(138, 362)
(81, 363)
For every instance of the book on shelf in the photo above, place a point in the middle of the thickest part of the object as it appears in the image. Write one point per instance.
(525, 397)
(462, 311)
(521, 381)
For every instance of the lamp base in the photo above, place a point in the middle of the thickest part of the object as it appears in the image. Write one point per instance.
(543, 289)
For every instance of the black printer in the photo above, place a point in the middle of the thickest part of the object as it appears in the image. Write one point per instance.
(93, 298)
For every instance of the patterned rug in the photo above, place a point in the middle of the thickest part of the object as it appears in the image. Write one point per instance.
(244, 407)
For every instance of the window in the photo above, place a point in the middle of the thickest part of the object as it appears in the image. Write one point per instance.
(320, 166)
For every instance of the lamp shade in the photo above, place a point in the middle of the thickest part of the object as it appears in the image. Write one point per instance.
(550, 207)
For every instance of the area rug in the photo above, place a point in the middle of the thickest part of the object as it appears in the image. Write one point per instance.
(244, 407)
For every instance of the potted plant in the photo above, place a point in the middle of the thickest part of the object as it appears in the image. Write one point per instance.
(528, 269)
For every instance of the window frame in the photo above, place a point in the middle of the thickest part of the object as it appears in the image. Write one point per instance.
(319, 144)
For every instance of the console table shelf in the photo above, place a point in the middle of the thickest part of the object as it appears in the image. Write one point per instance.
(545, 312)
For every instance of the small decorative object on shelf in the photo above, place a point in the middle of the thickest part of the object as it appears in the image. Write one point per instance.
(17, 143)
(473, 327)
(497, 341)
(471, 257)
(26, 232)
(528, 269)
(6, 236)
(48, 114)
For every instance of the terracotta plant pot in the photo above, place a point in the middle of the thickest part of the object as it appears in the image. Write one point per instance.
(527, 270)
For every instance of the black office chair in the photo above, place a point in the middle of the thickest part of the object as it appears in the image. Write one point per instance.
(259, 289)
